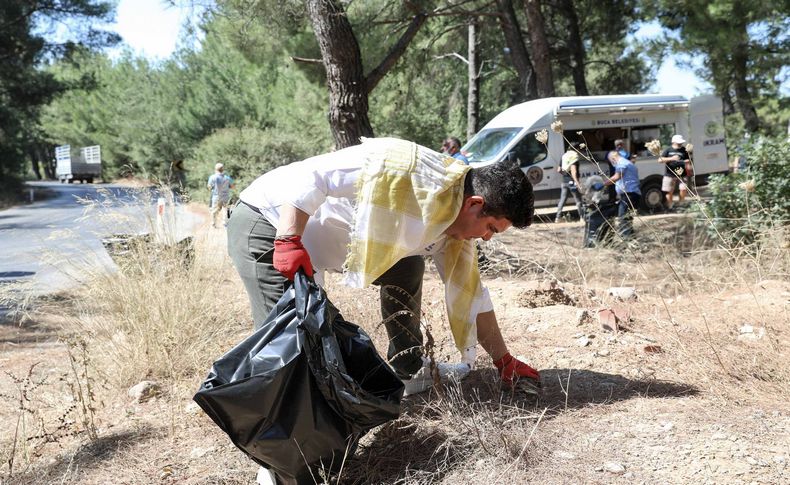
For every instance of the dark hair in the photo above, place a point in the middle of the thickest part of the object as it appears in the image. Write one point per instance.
(455, 141)
(506, 191)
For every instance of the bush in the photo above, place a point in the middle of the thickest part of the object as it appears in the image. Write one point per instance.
(10, 191)
(246, 154)
(748, 204)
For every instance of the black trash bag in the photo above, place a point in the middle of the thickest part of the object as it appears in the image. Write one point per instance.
(297, 394)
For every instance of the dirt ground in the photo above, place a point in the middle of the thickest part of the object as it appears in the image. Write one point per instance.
(689, 385)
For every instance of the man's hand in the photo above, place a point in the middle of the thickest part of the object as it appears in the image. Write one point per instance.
(597, 186)
(512, 370)
(290, 255)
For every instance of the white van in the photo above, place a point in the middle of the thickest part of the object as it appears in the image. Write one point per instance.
(637, 119)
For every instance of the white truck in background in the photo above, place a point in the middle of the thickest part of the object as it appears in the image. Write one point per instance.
(597, 121)
(84, 165)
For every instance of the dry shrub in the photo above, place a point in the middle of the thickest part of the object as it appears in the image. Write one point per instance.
(172, 306)
(472, 429)
(158, 318)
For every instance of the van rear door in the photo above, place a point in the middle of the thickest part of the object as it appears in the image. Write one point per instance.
(707, 136)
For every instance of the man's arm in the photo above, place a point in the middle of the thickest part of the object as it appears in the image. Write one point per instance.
(614, 178)
(489, 335)
(511, 370)
(292, 221)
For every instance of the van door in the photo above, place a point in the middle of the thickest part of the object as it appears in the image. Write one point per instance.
(533, 159)
(707, 137)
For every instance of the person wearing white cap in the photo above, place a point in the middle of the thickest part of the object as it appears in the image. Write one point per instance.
(674, 158)
(569, 168)
(219, 184)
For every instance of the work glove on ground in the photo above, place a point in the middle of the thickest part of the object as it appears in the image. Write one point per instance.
(516, 373)
(290, 255)
(597, 186)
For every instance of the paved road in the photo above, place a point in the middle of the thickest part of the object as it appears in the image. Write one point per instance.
(52, 244)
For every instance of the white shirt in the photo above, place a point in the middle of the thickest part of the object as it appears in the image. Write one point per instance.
(325, 187)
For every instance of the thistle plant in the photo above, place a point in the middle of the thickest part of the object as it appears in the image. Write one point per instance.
(654, 147)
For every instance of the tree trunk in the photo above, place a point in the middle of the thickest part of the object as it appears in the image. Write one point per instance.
(33, 155)
(348, 96)
(518, 51)
(743, 98)
(473, 99)
(539, 48)
(576, 47)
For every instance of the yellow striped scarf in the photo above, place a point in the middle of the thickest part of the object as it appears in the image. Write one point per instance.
(407, 196)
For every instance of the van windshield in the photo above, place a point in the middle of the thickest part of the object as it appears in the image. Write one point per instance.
(487, 144)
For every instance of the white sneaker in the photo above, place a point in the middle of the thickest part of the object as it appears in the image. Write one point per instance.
(422, 380)
(265, 477)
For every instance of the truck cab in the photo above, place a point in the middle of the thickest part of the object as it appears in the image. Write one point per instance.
(597, 121)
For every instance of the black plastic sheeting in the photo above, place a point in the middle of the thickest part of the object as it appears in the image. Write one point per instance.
(299, 393)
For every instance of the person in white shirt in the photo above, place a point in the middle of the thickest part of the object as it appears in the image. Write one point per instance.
(373, 211)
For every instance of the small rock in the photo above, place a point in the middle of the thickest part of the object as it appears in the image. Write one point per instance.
(583, 341)
(614, 467)
(166, 472)
(779, 459)
(564, 455)
(667, 426)
(144, 391)
(751, 460)
(652, 349)
(608, 320)
(192, 408)
(719, 436)
(199, 452)
(623, 292)
(603, 352)
(558, 350)
(582, 317)
(748, 332)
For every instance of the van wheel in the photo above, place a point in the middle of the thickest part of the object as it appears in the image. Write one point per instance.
(652, 197)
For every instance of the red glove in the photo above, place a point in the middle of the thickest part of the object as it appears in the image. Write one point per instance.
(512, 370)
(290, 255)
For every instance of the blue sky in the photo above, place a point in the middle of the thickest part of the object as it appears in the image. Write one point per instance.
(150, 28)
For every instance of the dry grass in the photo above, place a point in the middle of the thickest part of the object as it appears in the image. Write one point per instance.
(160, 317)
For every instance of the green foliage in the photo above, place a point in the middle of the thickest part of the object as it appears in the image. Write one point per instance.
(246, 154)
(747, 204)
(24, 86)
(744, 46)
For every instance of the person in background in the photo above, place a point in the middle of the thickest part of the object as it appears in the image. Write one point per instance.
(674, 158)
(452, 147)
(619, 146)
(626, 182)
(219, 184)
(178, 176)
(569, 168)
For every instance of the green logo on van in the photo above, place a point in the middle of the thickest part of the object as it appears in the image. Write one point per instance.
(712, 128)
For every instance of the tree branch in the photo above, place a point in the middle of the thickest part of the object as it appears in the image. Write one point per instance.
(377, 74)
(306, 60)
(452, 54)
